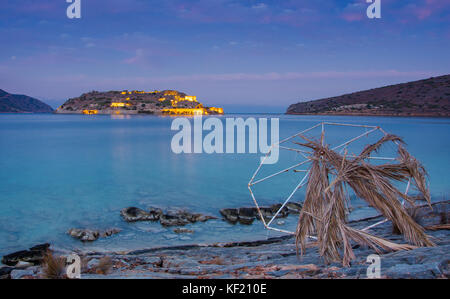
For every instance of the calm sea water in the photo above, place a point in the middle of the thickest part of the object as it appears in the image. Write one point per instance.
(64, 171)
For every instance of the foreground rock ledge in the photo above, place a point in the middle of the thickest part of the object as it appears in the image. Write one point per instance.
(277, 258)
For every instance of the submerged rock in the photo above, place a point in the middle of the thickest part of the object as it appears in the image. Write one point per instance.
(133, 214)
(173, 220)
(183, 231)
(89, 235)
(247, 215)
(173, 217)
(34, 255)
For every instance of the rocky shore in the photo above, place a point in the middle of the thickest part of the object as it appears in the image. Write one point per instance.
(271, 258)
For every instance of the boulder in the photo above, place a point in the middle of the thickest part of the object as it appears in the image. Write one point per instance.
(34, 255)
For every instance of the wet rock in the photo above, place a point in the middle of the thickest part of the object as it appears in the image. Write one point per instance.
(247, 215)
(5, 272)
(203, 218)
(231, 215)
(283, 213)
(84, 235)
(133, 214)
(172, 217)
(88, 235)
(34, 255)
(247, 212)
(173, 220)
(266, 213)
(110, 232)
(293, 207)
(183, 231)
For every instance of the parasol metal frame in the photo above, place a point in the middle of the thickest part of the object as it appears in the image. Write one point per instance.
(303, 181)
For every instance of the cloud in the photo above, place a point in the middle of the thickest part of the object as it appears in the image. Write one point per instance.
(137, 58)
(260, 6)
(272, 76)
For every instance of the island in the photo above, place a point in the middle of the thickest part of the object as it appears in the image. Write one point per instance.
(429, 97)
(167, 102)
(18, 103)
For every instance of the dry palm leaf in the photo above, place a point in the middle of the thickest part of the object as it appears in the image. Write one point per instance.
(325, 207)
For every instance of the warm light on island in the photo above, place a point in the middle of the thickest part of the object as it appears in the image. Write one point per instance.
(167, 102)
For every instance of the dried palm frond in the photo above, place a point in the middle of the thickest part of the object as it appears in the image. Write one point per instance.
(377, 145)
(416, 171)
(325, 208)
(438, 227)
(54, 267)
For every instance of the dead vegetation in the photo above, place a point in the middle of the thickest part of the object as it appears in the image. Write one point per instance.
(54, 267)
(325, 209)
(104, 265)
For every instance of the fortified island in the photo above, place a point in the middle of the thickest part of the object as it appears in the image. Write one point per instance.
(167, 102)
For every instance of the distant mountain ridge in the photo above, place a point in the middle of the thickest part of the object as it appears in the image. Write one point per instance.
(16, 103)
(429, 97)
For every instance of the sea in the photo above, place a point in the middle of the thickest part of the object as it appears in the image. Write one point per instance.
(79, 171)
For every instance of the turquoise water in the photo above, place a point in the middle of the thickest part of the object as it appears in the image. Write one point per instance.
(64, 171)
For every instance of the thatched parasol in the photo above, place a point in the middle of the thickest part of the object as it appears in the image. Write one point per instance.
(331, 173)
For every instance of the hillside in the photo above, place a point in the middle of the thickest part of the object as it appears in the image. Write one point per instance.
(15, 103)
(169, 102)
(429, 97)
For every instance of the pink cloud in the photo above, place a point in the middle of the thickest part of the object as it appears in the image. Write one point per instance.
(352, 17)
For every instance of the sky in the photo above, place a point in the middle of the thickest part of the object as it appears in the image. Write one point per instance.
(244, 55)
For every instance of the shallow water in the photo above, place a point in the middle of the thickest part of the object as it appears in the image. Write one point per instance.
(64, 171)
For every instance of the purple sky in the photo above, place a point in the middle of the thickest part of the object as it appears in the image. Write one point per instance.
(231, 53)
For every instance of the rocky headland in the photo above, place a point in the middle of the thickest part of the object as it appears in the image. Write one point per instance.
(429, 97)
(17, 103)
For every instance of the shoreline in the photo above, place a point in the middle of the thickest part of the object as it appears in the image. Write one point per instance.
(371, 115)
(270, 258)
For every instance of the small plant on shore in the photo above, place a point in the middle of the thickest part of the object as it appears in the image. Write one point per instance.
(54, 267)
(326, 202)
(104, 265)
